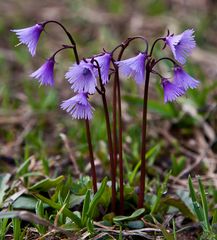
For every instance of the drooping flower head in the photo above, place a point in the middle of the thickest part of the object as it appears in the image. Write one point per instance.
(104, 63)
(29, 36)
(133, 67)
(82, 77)
(45, 74)
(78, 107)
(184, 80)
(171, 90)
(181, 45)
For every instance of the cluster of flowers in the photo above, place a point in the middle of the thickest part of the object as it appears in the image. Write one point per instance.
(83, 76)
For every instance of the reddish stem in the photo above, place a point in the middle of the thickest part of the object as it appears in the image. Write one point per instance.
(109, 134)
(117, 101)
(93, 169)
(143, 146)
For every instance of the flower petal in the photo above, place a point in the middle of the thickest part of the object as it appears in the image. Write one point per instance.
(133, 67)
(29, 36)
(78, 107)
(82, 77)
(181, 45)
(45, 74)
(171, 91)
(104, 63)
(184, 80)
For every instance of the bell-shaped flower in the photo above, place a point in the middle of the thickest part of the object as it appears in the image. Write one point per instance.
(133, 67)
(29, 36)
(181, 45)
(171, 90)
(183, 79)
(45, 74)
(78, 106)
(82, 77)
(104, 64)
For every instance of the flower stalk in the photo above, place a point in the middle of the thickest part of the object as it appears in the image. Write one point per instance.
(117, 105)
(93, 168)
(109, 135)
(143, 145)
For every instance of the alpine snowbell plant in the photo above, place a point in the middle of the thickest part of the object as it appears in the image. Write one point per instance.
(90, 75)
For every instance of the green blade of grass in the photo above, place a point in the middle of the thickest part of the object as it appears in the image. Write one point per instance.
(160, 192)
(46, 184)
(197, 206)
(151, 152)
(85, 208)
(96, 198)
(57, 206)
(204, 205)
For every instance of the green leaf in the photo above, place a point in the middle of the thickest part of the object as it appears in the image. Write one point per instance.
(23, 168)
(160, 192)
(197, 206)
(137, 224)
(25, 202)
(133, 216)
(75, 200)
(4, 178)
(204, 205)
(166, 234)
(214, 218)
(46, 184)
(57, 206)
(16, 222)
(178, 203)
(96, 198)
(85, 208)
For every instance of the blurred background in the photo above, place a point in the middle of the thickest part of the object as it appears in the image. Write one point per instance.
(183, 134)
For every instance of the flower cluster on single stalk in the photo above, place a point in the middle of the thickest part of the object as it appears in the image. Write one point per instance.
(83, 74)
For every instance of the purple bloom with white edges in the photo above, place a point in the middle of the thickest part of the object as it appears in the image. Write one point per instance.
(171, 90)
(184, 80)
(78, 107)
(45, 74)
(29, 36)
(104, 63)
(181, 45)
(133, 67)
(82, 77)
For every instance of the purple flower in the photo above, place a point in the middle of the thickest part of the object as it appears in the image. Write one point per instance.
(78, 107)
(29, 36)
(45, 74)
(133, 67)
(183, 80)
(171, 90)
(181, 45)
(82, 77)
(104, 63)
